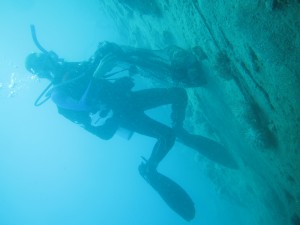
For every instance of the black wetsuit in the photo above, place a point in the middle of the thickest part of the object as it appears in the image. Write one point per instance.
(134, 118)
(129, 112)
(128, 106)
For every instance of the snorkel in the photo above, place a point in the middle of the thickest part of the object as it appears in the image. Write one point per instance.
(46, 93)
(35, 40)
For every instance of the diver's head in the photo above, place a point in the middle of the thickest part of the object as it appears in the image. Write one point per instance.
(41, 64)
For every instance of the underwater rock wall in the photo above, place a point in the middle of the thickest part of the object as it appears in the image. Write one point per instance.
(251, 49)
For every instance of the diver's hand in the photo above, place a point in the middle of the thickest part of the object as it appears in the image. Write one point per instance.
(106, 64)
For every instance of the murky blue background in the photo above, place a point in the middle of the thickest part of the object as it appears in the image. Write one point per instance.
(52, 172)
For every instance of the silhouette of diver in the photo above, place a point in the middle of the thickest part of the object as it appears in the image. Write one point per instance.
(83, 95)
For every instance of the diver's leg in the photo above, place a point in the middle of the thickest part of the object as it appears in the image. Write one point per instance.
(151, 98)
(164, 135)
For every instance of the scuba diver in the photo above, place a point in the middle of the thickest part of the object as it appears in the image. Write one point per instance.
(85, 94)
(86, 98)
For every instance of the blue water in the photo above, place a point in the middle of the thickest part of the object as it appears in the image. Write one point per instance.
(52, 172)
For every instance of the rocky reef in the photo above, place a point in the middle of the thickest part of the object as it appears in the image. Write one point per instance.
(251, 102)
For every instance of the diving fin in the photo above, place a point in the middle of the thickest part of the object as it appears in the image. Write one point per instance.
(209, 148)
(173, 194)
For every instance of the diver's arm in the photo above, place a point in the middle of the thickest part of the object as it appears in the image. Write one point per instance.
(106, 57)
(106, 131)
(106, 64)
(104, 48)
